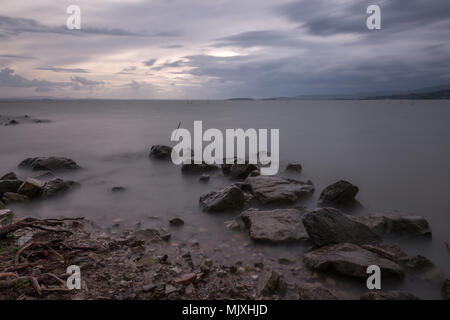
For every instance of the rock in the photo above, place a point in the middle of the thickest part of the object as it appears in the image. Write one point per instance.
(204, 178)
(13, 122)
(186, 279)
(45, 176)
(118, 189)
(161, 152)
(170, 289)
(388, 251)
(49, 164)
(11, 197)
(57, 186)
(294, 167)
(9, 186)
(329, 226)
(341, 192)
(314, 291)
(229, 198)
(232, 225)
(6, 216)
(395, 224)
(388, 295)
(31, 188)
(350, 260)
(255, 173)
(242, 171)
(270, 283)
(420, 263)
(198, 168)
(176, 222)
(9, 176)
(279, 225)
(446, 290)
(271, 189)
(2, 206)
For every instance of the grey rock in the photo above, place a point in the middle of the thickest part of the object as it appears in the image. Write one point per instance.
(161, 152)
(329, 226)
(315, 291)
(341, 192)
(242, 171)
(388, 251)
(57, 186)
(31, 188)
(388, 295)
(279, 225)
(6, 216)
(9, 186)
(271, 189)
(270, 283)
(118, 189)
(350, 260)
(11, 197)
(294, 167)
(229, 198)
(9, 176)
(176, 222)
(198, 168)
(49, 164)
(204, 178)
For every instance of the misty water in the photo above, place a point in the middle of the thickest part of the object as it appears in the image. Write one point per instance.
(396, 152)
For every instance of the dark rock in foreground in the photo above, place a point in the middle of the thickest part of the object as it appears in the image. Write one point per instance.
(280, 225)
(9, 186)
(9, 176)
(56, 187)
(49, 164)
(329, 226)
(350, 260)
(271, 189)
(160, 152)
(340, 193)
(11, 197)
(270, 283)
(229, 198)
(315, 291)
(395, 224)
(388, 295)
(31, 188)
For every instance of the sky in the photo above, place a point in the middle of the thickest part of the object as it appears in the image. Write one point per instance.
(218, 49)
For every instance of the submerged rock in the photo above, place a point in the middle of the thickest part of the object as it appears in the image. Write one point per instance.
(329, 226)
(198, 168)
(270, 283)
(229, 198)
(9, 176)
(242, 171)
(294, 167)
(280, 225)
(118, 189)
(204, 178)
(9, 186)
(388, 295)
(160, 152)
(341, 192)
(176, 222)
(271, 189)
(396, 224)
(350, 260)
(11, 197)
(31, 188)
(315, 291)
(57, 186)
(49, 164)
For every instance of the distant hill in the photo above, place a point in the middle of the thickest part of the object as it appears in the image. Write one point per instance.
(434, 95)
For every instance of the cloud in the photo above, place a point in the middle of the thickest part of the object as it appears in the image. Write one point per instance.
(149, 63)
(80, 83)
(167, 64)
(11, 80)
(56, 69)
(128, 70)
(258, 38)
(173, 46)
(15, 56)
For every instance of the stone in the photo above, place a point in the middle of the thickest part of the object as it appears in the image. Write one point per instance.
(9, 186)
(31, 188)
(350, 260)
(57, 186)
(118, 189)
(329, 226)
(388, 251)
(11, 197)
(6, 216)
(204, 178)
(270, 283)
(272, 189)
(198, 168)
(446, 290)
(396, 224)
(9, 176)
(176, 222)
(161, 152)
(315, 291)
(229, 198)
(13, 122)
(186, 279)
(232, 225)
(49, 164)
(341, 192)
(294, 167)
(242, 171)
(279, 225)
(388, 295)
(170, 289)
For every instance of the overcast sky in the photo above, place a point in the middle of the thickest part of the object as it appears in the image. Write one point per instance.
(211, 49)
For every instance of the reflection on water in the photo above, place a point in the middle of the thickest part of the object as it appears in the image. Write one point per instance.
(397, 152)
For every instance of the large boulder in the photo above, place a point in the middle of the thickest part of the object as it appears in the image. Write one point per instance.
(9, 176)
(11, 197)
(350, 260)
(395, 224)
(9, 186)
(229, 198)
(49, 164)
(388, 295)
(161, 152)
(272, 189)
(329, 226)
(340, 193)
(270, 283)
(31, 188)
(57, 186)
(280, 225)
(315, 291)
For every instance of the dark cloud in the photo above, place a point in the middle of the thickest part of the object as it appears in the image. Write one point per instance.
(56, 69)
(167, 64)
(80, 83)
(128, 70)
(11, 80)
(149, 63)
(173, 46)
(258, 38)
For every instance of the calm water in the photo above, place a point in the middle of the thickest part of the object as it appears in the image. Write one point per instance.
(397, 152)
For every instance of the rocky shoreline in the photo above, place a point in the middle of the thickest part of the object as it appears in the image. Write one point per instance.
(147, 264)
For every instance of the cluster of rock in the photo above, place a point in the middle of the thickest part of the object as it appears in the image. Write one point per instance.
(12, 121)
